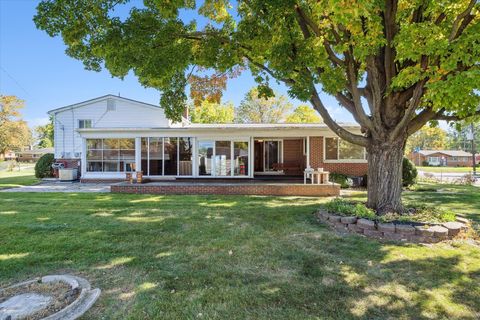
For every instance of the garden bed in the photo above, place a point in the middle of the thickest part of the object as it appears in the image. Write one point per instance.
(418, 225)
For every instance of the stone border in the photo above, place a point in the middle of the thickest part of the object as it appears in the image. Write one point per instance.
(77, 308)
(409, 232)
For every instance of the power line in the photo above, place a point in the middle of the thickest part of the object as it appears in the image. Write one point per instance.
(16, 82)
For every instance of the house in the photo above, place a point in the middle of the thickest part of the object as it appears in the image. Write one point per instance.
(32, 154)
(108, 136)
(445, 158)
(8, 155)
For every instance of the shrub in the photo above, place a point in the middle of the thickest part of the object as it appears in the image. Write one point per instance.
(339, 178)
(425, 163)
(43, 167)
(344, 207)
(409, 173)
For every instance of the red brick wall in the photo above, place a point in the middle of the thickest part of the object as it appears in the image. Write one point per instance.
(316, 161)
(233, 189)
(418, 160)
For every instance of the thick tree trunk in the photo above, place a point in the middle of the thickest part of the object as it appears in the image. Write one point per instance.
(385, 176)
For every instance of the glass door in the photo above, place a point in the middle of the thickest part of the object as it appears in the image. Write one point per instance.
(272, 150)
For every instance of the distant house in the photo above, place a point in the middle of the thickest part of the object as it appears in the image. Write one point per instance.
(108, 136)
(8, 155)
(32, 155)
(444, 158)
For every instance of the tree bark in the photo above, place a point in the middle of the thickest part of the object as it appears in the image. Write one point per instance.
(385, 176)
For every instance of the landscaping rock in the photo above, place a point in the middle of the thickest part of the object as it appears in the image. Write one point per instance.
(334, 218)
(386, 227)
(424, 231)
(349, 220)
(439, 231)
(454, 228)
(355, 228)
(461, 219)
(405, 229)
(366, 224)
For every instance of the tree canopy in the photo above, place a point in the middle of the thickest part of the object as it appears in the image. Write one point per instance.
(211, 112)
(14, 132)
(258, 109)
(427, 138)
(303, 114)
(45, 134)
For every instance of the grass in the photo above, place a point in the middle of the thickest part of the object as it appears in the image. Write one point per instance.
(446, 169)
(12, 179)
(235, 257)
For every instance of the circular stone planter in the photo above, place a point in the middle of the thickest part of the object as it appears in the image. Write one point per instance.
(415, 232)
(52, 297)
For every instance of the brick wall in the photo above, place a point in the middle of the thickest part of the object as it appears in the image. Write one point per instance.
(316, 161)
(230, 189)
(418, 159)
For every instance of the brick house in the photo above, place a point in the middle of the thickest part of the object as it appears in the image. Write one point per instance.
(107, 137)
(445, 158)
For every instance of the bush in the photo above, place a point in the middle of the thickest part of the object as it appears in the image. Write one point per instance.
(409, 173)
(343, 207)
(339, 178)
(43, 167)
(425, 163)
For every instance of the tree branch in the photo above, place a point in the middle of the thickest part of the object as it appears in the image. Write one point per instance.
(456, 24)
(341, 132)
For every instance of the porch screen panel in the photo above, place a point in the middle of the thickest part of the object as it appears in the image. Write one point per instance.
(110, 155)
(205, 154)
(170, 156)
(156, 156)
(185, 153)
(240, 158)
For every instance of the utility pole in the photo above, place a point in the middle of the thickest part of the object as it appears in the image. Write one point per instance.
(473, 150)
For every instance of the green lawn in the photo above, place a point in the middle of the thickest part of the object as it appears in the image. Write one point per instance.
(447, 169)
(13, 179)
(234, 257)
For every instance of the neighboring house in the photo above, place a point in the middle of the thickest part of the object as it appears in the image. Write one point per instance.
(110, 135)
(445, 158)
(32, 155)
(8, 155)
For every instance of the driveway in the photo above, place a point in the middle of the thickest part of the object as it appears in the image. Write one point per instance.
(54, 186)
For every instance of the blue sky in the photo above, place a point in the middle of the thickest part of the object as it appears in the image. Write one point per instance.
(34, 67)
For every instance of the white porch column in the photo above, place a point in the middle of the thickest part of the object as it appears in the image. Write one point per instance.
(195, 157)
(138, 155)
(83, 159)
(251, 157)
(308, 151)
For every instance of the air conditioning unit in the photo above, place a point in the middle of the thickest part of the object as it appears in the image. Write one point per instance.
(67, 174)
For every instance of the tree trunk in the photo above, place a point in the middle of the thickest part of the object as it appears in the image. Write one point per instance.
(385, 176)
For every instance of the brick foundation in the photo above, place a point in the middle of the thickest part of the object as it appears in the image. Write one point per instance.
(229, 189)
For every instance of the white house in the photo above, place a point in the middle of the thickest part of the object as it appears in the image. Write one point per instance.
(110, 135)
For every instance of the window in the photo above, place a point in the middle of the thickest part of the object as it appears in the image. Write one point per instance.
(223, 158)
(337, 149)
(82, 124)
(170, 156)
(110, 155)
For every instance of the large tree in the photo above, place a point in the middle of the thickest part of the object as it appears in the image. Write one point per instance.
(256, 108)
(211, 112)
(14, 131)
(45, 134)
(394, 65)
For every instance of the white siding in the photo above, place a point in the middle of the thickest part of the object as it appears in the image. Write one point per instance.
(127, 114)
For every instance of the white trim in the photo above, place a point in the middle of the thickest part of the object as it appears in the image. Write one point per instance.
(138, 154)
(308, 152)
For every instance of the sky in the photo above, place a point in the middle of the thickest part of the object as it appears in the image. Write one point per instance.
(34, 67)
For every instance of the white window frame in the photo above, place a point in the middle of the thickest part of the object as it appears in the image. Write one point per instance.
(84, 120)
(325, 160)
